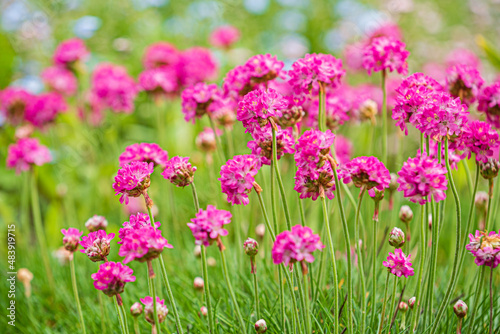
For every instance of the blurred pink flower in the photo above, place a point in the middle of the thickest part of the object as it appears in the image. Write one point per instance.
(224, 36)
(60, 80)
(385, 53)
(44, 109)
(27, 152)
(161, 309)
(13, 104)
(69, 52)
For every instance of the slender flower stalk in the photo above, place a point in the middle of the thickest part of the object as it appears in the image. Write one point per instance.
(360, 262)
(125, 322)
(416, 314)
(305, 270)
(393, 299)
(278, 177)
(208, 299)
(385, 301)
(384, 117)
(120, 316)
(152, 277)
(491, 300)
(75, 292)
(321, 116)
(477, 299)
(374, 264)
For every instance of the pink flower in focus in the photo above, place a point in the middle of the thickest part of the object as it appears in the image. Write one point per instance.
(13, 104)
(71, 238)
(489, 103)
(263, 68)
(206, 141)
(161, 309)
(145, 152)
(385, 53)
(465, 82)
(237, 177)
(367, 172)
(224, 36)
(399, 264)
(259, 105)
(343, 149)
(311, 151)
(133, 179)
(196, 100)
(27, 152)
(97, 245)
(296, 245)
(112, 277)
(314, 185)
(161, 54)
(159, 82)
(208, 225)
(485, 247)
(480, 139)
(197, 65)
(60, 80)
(179, 171)
(44, 109)
(142, 244)
(69, 52)
(262, 143)
(136, 222)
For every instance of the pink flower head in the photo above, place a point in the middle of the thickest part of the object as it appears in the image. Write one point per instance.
(159, 82)
(480, 139)
(208, 225)
(133, 179)
(314, 69)
(223, 111)
(422, 178)
(386, 29)
(489, 103)
(296, 245)
(26, 153)
(259, 105)
(161, 54)
(197, 65)
(71, 238)
(367, 172)
(237, 82)
(145, 152)
(13, 104)
(311, 150)
(97, 245)
(96, 223)
(179, 171)
(237, 177)
(462, 56)
(206, 140)
(262, 143)
(485, 247)
(292, 115)
(44, 109)
(113, 88)
(385, 53)
(321, 182)
(399, 264)
(60, 80)
(161, 309)
(69, 52)
(343, 149)
(196, 100)
(263, 68)
(336, 108)
(224, 36)
(142, 244)
(111, 278)
(136, 222)
(465, 82)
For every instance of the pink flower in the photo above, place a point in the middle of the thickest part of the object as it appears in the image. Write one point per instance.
(224, 36)
(237, 82)
(196, 100)
(489, 103)
(113, 88)
(133, 179)
(262, 143)
(26, 153)
(336, 109)
(13, 104)
(111, 278)
(145, 152)
(399, 264)
(311, 151)
(319, 183)
(179, 171)
(142, 244)
(296, 245)
(386, 29)
(353, 55)
(60, 80)
(223, 111)
(292, 115)
(44, 109)
(208, 225)
(161, 309)
(465, 82)
(367, 172)
(69, 52)
(462, 56)
(259, 105)
(343, 149)
(485, 247)
(421, 179)
(159, 82)
(480, 139)
(197, 65)
(96, 223)
(385, 53)
(97, 245)
(161, 54)
(314, 69)
(263, 68)
(237, 177)
(206, 141)
(71, 238)
(136, 222)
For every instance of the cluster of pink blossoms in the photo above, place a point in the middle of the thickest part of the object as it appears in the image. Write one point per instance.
(366, 172)
(465, 82)
(161, 309)
(399, 264)
(145, 152)
(206, 140)
(97, 245)
(258, 106)
(133, 179)
(136, 222)
(208, 225)
(69, 52)
(13, 104)
(238, 177)
(296, 245)
(96, 223)
(159, 82)
(71, 239)
(489, 103)
(144, 244)
(196, 100)
(480, 139)
(26, 153)
(44, 109)
(262, 143)
(385, 54)
(112, 277)
(421, 179)
(485, 247)
(179, 171)
(60, 80)
(336, 110)
(224, 36)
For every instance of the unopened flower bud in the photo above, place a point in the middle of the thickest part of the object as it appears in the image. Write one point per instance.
(211, 262)
(261, 326)
(489, 170)
(198, 283)
(481, 200)
(379, 195)
(96, 223)
(251, 247)
(197, 251)
(411, 302)
(260, 230)
(460, 308)
(397, 238)
(203, 311)
(393, 185)
(405, 214)
(403, 307)
(136, 309)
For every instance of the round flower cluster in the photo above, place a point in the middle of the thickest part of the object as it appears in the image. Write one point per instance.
(133, 179)
(161, 309)
(421, 179)
(366, 172)
(480, 139)
(161, 55)
(485, 247)
(179, 171)
(197, 65)
(112, 277)
(60, 80)
(465, 82)
(237, 177)
(44, 109)
(257, 106)
(224, 36)
(13, 104)
(96, 223)
(399, 264)
(296, 245)
(206, 140)
(69, 52)
(159, 82)
(385, 54)
(136, 222)
(26, 153)
(196, 100)
(97, 245)
(309, 186)
(293, 113)
(142, 244)
(262, 143)
(489, 103)
(71, 238)
(208, 225)
(145, 152)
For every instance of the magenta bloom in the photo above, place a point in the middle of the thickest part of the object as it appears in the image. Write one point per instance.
(136, 222)
(60, 80)
(97, 245)
(259, 105)
(113, 88)
(399, 264)
(133, 179)
(13, 104)
(111, 278)
(314, 69)
(319, 183)
(142, 244)
(385, 53)
(145, 152)
(161, 309)
(237, 82)
(223, 111)
(489, 103)
(386, 29)
(196, 100)
(462, 56)
(262, 143)
(71, 238)
(44, 109)
(262, 68)
(26, 153)
(336, 108)
(311, 151)
(96, 223)
(292, 115)
(367, 172)
(179, 171)
(422, 178)
(161, 54)
(159, 82)
(206, 140)
(69, 52)
(197, 65)
(465, 82)
(208, 225)
(480, 139)
(224, 36)
(296, 245)
(343, 149)
(485, 247)
(237, 177)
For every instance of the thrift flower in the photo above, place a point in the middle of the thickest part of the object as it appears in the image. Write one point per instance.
(161, 309)
(161, 55)
(142, 244)
(399, 264)
(367, 172)
(13, 104)
(237, 177)
(60, 80)
(464, 82)
(133, 180)
(485, 247)
(96, 223)
(260, 326)
(258, 106)
(136, 222)
(159, 82)
(179, 171)
(112, 277)
(197, 64)
(136, 309)
(460, 308)
(343, 149)
(263, 68)
(145, 152)
(196, 100)
(397, 237)
(25, 153)
(69, 52)
(97, 245)
(71, 238)
(480, 139)
(208, 225)
(489, 103)
(385, 54)
(262, 143)
(44, 109)
(206, 141)
(224, 36)
(295, 246)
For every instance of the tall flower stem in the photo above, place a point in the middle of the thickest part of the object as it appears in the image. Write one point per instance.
(415, 314)
(280, 181)
(231, 293)
(384, 118)
(120, 316)
(137, 330)
(456, 261)
(37, 219)
(322, 108)
(393, 299)
(477, 299)
(103, 315)
(75, 292)
(195, 198)
(256, 291)
(374, 264)
(220, 149)
(385, 302)
(491, 300)
(152, 276)
(125, 322)
(360, 262)
(208, 299)
(490, 197)
(432, 271)
(334, 266)
(306, 292)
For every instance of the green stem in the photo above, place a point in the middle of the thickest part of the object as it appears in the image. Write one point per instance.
(360, 262)
(231, 293)
(416, 313)
(195, 198)
(125, 321)
(266, 218)
(374, 266)
(103, 316)
(322, 107)
(229, 141)
(208, 299)
(75, 292)
(153, 294)
(136, 326)
(292, 294)
(490, 197)
(280, 181)
(491, 300)
(432, 272)
(386, 286)
(256, 291)
(120, 317)
(307, 307)
(220, 149)
(384, 119)
(393, 299)
(477, 299)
